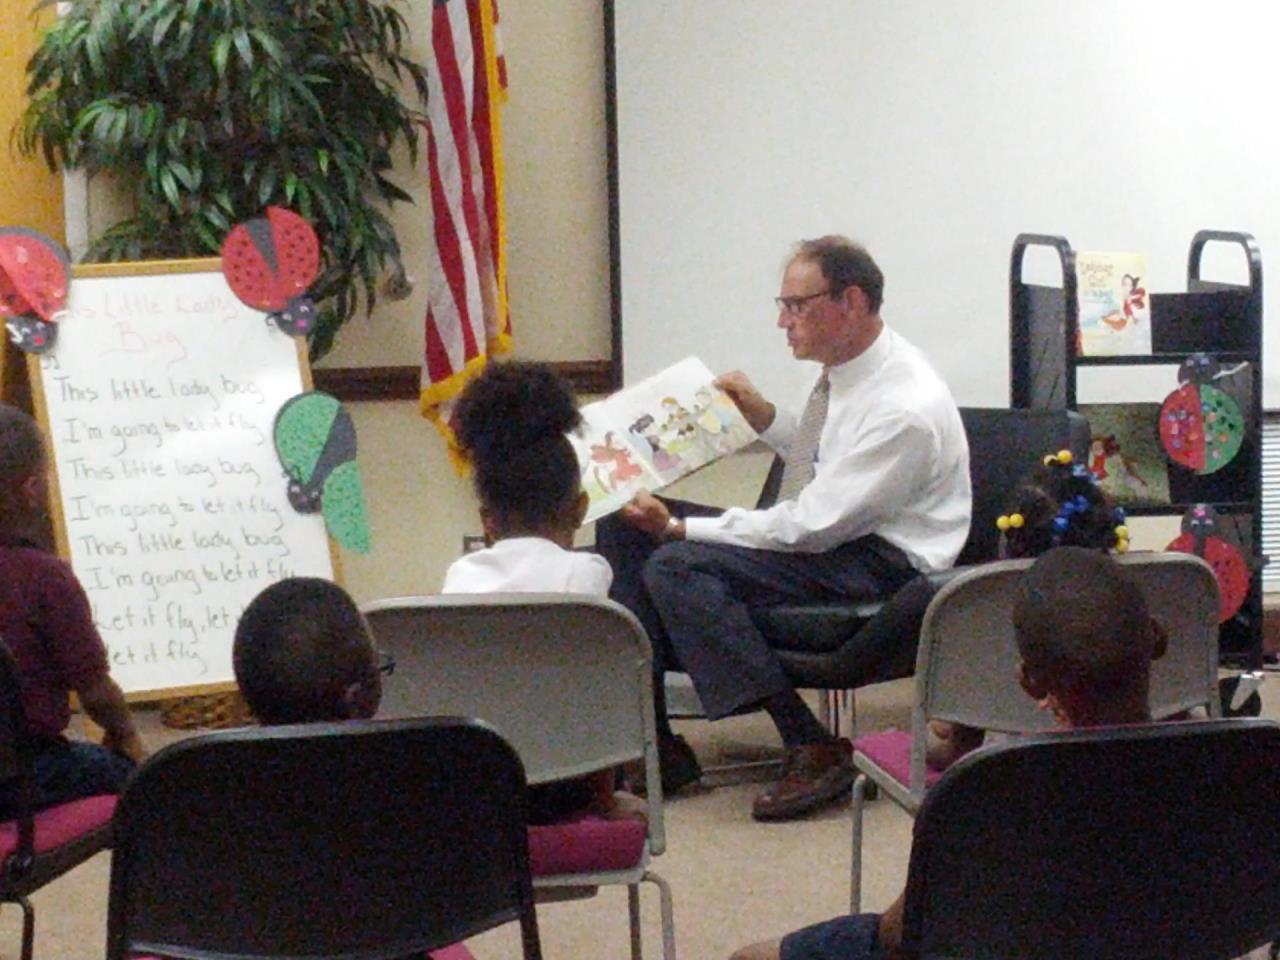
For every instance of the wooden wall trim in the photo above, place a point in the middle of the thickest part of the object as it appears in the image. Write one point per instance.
(355, 384)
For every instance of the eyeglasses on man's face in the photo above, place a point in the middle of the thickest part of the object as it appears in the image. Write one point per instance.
(386, 662)
(796, 305)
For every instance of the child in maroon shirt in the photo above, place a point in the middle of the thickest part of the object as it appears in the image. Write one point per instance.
(46, 623)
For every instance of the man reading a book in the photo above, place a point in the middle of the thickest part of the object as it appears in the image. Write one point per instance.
(874, 489)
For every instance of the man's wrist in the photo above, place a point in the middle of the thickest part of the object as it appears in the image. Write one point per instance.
(674, 529)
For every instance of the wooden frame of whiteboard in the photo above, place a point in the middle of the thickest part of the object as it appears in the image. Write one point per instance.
(41, 411)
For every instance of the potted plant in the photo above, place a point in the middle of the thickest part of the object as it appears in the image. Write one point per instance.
(206, 111)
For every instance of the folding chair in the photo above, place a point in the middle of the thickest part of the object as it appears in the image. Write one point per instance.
(567, 679)
(1129, 843)
(363, 840)
(966, 671)
(38, 847)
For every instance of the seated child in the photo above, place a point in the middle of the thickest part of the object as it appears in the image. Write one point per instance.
(1058, 504)
(1086, 641)
(511, 422)
(303, 654)
(46, 621)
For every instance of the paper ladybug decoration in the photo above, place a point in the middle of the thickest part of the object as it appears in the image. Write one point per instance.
(35, 274)
(316, 442)
(270, 263)
(1199, 537)
(1201, 427)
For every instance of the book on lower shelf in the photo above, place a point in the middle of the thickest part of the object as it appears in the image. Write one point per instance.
(655, 432)
(1125, 453)
(1115, 308)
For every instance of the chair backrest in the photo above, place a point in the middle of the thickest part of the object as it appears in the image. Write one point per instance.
(566, 678)
(362, 840)
(1136, 843)
(1003, 446)
(966, 666)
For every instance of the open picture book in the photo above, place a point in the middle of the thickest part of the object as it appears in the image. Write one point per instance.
(655, 432)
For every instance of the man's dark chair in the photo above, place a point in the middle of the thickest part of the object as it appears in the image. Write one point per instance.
(1139, 842)
(825, 646)
(37, 848)
(365, 839)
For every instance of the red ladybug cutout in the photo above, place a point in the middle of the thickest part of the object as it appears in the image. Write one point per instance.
(35, 274)
(1229, 565)
(270, 262)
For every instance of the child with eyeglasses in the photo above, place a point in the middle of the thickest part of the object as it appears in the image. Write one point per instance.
(303, 654)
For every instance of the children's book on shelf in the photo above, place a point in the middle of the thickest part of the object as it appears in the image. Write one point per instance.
(1115, 308)
(1125, 454)
(655, 432)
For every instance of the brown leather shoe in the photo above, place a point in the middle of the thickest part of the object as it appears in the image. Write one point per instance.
(677, 764)
(812, 776)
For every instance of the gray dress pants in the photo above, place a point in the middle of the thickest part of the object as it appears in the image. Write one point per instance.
(695, 600)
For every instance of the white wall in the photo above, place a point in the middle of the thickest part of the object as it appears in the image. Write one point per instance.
(934, 132)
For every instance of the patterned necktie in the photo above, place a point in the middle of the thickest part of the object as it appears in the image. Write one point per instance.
(803, 452)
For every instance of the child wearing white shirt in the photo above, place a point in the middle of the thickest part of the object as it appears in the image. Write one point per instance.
(512, 423)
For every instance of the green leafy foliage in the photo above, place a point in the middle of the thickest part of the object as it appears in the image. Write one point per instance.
(206, 111)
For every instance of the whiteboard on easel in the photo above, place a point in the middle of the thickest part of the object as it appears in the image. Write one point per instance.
(169, 500)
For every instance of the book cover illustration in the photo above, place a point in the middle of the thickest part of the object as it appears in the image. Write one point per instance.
(655, 432)
(1115, 309)
(1125, 453)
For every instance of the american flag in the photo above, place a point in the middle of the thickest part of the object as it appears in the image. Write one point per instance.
(468, 317)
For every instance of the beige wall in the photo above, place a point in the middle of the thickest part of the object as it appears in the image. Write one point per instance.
(559, 281)
(556, 196)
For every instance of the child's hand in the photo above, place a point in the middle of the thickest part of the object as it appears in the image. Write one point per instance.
(625, 806)
(129, 745)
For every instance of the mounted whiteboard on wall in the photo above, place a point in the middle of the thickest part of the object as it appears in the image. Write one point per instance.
(935, 132)
(158, 401)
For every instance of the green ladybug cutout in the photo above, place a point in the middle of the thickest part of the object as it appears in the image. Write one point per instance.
(316, 442)
(1201, 426)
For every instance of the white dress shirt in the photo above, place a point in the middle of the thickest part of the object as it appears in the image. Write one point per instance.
(529, 565)
(892, 460)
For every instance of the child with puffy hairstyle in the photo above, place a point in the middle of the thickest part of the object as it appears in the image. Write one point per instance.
(1057, 504)
(512, 423)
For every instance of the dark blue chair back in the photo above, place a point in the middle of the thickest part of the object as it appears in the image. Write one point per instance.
(1157, 841)
(362, 840)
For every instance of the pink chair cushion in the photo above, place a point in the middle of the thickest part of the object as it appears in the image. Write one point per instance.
(456, 951)
(586, 845)
(891, 751)
(60, 824)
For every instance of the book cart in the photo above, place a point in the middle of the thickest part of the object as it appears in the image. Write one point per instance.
(1222, 320)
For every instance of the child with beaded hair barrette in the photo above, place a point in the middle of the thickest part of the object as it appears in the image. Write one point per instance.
(1057, 504)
